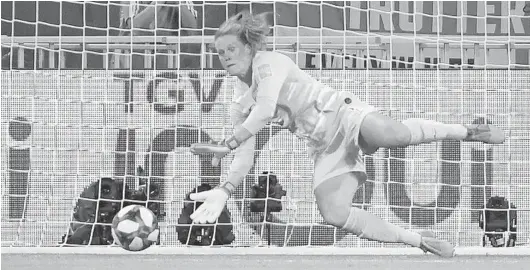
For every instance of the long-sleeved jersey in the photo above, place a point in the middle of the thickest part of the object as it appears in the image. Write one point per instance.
(280, 90)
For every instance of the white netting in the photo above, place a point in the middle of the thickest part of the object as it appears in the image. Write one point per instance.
(67, 126)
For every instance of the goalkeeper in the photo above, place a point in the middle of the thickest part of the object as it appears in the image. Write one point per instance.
(336, 125)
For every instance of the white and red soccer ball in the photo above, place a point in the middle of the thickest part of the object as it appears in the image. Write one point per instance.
(135, 228)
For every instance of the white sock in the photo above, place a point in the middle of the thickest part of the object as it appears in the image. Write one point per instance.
(426, 131)
(369, 226)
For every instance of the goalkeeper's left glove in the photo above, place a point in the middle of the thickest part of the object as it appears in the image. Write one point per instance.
(219, 150)
(214, 201)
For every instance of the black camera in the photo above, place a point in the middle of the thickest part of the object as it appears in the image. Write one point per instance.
(499, 222)
(96, 207)
(203, 234)
(267, 193)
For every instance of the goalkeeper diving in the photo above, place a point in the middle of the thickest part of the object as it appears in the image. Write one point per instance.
(336, 126)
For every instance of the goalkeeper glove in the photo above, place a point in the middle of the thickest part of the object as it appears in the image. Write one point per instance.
(214, 202)
(219, 150)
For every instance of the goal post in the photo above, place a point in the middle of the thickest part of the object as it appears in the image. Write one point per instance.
(88, 102)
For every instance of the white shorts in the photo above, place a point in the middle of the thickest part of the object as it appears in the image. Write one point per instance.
(343, 154)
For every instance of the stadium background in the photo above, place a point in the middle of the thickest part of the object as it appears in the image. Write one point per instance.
(445, 181)
(319, 19)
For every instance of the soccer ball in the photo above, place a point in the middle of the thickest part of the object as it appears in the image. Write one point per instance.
(135, 228)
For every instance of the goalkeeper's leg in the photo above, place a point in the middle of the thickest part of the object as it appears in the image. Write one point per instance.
(334, 199)
(378, 130)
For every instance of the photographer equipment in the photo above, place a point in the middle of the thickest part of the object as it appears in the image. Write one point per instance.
(203, 234)
(146, 189)
(499, 221)
(98, 203)
(267, 193)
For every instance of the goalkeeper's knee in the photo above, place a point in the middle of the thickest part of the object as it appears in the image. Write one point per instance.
(336, 217)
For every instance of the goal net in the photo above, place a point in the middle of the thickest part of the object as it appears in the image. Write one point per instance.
(84, 97)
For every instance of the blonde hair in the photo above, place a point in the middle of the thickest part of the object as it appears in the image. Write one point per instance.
(250, 29)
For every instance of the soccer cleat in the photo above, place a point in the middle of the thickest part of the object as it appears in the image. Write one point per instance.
(484, 133)
(436, 246)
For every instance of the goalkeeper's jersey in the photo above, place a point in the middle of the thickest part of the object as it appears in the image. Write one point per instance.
(312, 107)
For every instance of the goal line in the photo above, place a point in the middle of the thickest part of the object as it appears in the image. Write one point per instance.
(293, 251)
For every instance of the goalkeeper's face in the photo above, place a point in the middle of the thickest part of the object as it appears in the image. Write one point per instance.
(235, 56)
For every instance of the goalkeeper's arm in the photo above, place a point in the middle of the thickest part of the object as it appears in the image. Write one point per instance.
(271, 78)
(215, 199)
(240, 166)
(270, 75)
(243, 156)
